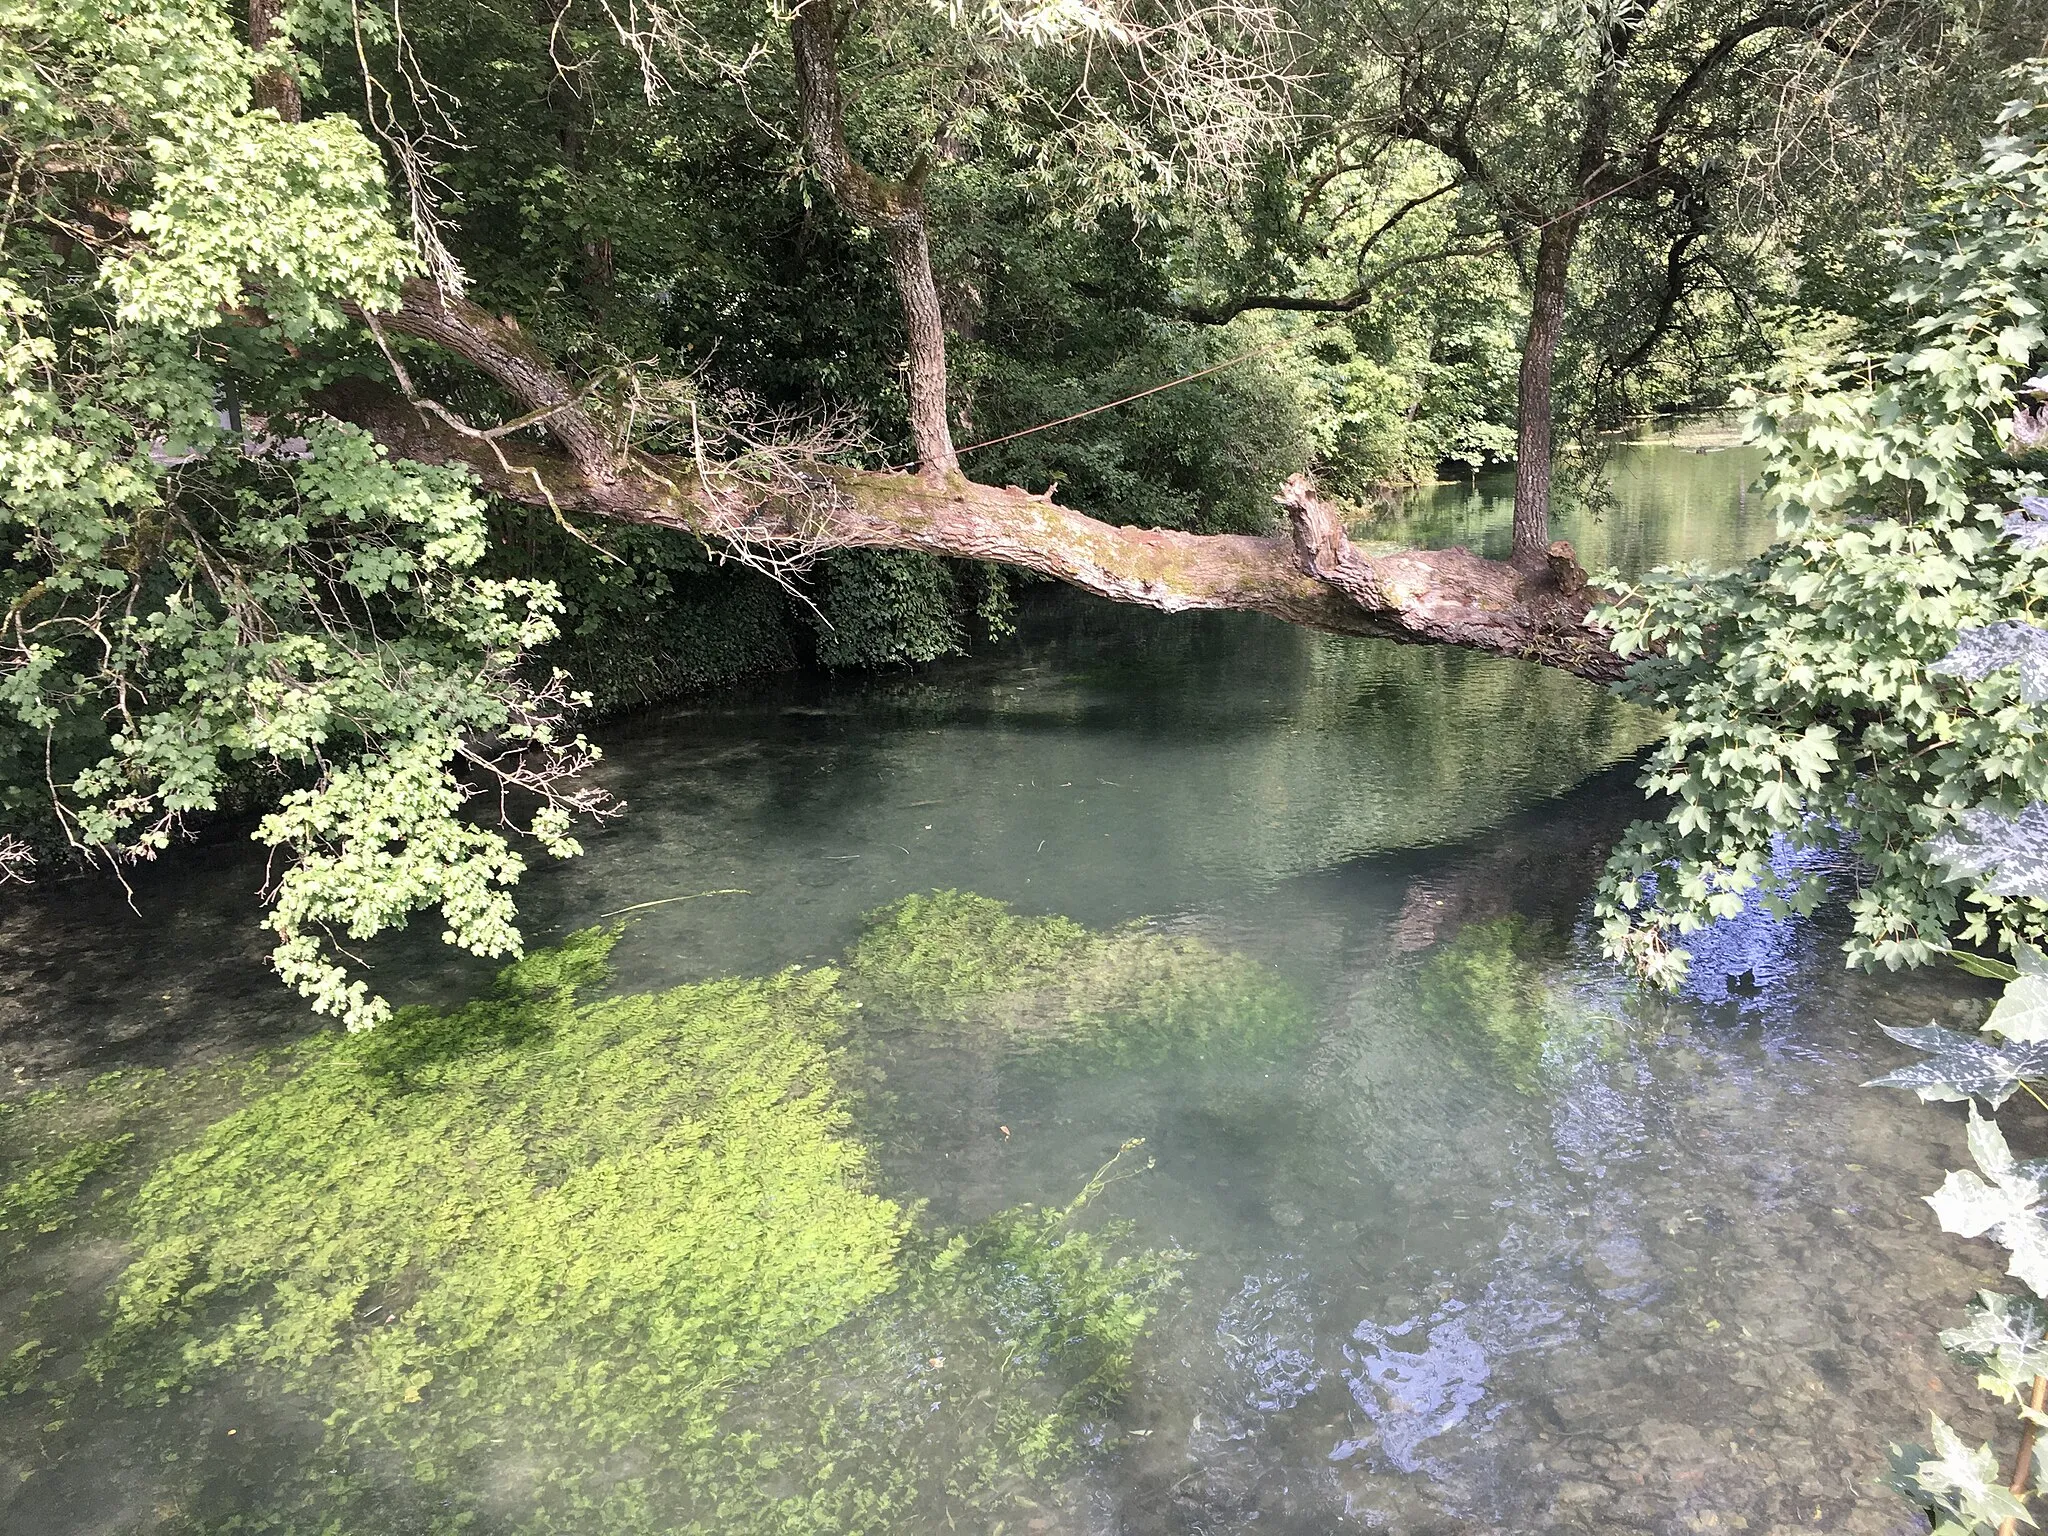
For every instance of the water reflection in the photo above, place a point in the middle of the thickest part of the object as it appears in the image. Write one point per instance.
(1481, 1239)
(1414, 1385)
(1673, 496)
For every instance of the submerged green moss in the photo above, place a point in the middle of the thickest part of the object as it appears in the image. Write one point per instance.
(524, 1212)
(542, 1263)
(996, 1361)
(42, 1197)
(1488, 980)
(1064, 994)
(928, 951)
(66, 1152)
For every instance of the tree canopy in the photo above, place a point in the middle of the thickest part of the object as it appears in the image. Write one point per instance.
(362, 366)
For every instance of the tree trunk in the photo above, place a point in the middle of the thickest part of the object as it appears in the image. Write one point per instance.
(910, 264)
(896, 210)
(1533, 394)
(274, 88)
(1312, 574)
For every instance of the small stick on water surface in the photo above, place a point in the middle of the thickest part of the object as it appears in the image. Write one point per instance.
(642, 906)
(2019, 1471)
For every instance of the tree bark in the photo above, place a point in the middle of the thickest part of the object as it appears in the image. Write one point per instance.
(1311, 575)
(1534, 400)
(893, 209)
(274, 88)
(910, 265)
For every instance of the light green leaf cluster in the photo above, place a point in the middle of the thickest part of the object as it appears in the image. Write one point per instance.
(1959, 1485)
(1042, 24)
(1809, 707)
(1962, 1066)
(2005, 1203)
(1874, 685)
(2006, 1200)
(2021, 1013)
(2003, 1339)
(201, 611)
(157, 92)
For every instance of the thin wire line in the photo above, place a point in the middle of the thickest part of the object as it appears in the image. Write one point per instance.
(1097, 410)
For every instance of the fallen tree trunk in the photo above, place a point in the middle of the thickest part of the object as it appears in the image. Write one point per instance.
(1311, 575)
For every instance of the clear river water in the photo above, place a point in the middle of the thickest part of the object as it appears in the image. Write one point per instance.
(1412, 1214)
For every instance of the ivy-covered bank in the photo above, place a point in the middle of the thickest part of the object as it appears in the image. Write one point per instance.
(555, 1260)
(649, 614)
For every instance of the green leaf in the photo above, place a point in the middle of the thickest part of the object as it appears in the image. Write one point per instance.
(2022, 1013)
(2005, 1204)
(1987, 966)
(2005, 1341)
(1956, 1481)
(1963, 1066)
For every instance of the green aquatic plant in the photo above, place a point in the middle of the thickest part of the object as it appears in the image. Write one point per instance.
(1004, 1351)
(929, 951)
(67, 1151)
(1063, 994)
(556, 1263)
(41, 1198)
(1487, 980)
(520, 1210)
(71, 1156)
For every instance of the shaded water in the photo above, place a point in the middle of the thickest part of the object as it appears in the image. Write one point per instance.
(1472, 1236)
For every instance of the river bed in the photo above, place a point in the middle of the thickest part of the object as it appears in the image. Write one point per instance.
(1274, 945)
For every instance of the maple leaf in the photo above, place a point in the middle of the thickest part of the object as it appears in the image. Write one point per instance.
(1960, 1066)
(2006, 855)
(1959, 1483)
(2005, 1342)
(2004, 1204)
(2022, 1013)
(1994, 647)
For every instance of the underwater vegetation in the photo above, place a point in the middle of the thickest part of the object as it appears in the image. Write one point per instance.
(560, 1261)
(1487, 985)
(1071, 998)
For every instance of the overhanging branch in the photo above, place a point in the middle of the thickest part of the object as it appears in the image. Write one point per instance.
(1314, 575)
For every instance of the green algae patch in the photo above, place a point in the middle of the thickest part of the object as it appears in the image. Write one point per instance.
(952, 1404)
(600, 1215)
(69, 1154)
(929, 951)
(71, 1157)
(543, 1263)
(1063, 994)
(1488, 982)
(43, 1198)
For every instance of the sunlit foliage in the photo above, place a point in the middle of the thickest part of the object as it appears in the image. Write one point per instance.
(1819, 698)
(191, 604)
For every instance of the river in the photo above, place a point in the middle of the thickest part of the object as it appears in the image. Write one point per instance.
(1248, 1138)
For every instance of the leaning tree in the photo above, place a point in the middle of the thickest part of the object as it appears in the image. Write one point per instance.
(1682, 150)
(250, 419)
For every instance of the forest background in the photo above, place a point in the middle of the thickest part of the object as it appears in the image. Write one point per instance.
(782, 298)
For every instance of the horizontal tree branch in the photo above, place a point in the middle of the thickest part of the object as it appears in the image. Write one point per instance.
(1313, 575)
(1228, 310)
